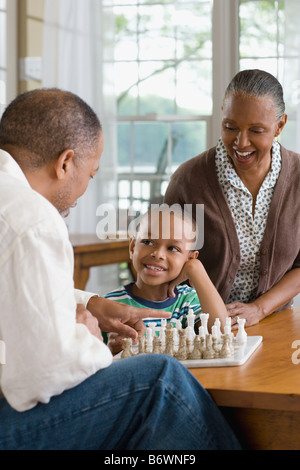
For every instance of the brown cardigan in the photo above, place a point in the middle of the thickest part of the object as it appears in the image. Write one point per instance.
(195, 182)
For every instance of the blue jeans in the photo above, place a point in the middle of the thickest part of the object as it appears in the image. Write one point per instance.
(148, 402)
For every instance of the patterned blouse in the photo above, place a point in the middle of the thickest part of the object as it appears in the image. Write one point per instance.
(250, 230)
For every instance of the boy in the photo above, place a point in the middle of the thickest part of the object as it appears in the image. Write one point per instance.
(163, 257)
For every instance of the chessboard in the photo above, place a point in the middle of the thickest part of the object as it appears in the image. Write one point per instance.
(215, 349)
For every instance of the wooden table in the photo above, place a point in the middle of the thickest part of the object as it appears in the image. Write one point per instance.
(261, 398)
(90, 251)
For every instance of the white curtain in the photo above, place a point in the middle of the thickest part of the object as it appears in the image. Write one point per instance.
(78, 46)
(77, 53)
(291, 75)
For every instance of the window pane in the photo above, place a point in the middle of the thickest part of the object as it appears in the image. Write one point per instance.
(157, 88)
(194, 88)
(273, 66)
(125, 33)
(124, 146)
(156, 33)
(150, 147)
(258, 29)
(2, 39)
(188, 140)
(126, 88)
(2, 4)
(193, 30)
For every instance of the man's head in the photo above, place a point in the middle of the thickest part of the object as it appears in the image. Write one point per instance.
(56, 139)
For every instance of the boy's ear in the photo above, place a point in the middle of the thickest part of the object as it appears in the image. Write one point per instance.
(193, 254)
(131, 246)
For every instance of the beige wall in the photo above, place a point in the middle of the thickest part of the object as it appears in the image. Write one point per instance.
(30, 35)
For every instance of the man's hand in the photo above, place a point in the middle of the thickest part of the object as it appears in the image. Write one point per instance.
(86, 318)
(123, 319)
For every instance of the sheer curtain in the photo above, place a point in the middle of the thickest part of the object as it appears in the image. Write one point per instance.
(78, 46)
(78, 41)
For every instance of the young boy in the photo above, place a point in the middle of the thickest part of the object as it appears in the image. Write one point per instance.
(163, 257)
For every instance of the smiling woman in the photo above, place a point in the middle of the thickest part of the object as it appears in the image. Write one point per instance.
(248, 184)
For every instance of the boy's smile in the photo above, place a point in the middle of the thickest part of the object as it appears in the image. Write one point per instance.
(158, 260)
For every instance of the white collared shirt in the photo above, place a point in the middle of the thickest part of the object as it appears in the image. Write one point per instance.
(47, 352)
(250, 230)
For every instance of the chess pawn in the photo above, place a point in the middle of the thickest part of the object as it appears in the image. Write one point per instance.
(196, 352)
(169, 349)
(202, 344)
(141, 346)
(227, 327)
(201, 333)
(149, 339)
(215, 346)
(216, 328)
(241, 336)
(156, 345)
(209, 352)
(226, 349)
(181, 354)
(127, 351)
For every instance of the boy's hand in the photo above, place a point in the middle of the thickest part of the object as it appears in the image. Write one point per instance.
(190, 268)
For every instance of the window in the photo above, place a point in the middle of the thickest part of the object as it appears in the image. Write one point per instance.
(163, 81)
(173, 60)
(8, 52)
(265, 42)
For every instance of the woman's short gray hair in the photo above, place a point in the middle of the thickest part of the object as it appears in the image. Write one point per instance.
(258, 83)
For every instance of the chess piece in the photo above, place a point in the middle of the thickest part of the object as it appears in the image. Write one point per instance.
(169, 349)
(141, 346)
(196, 352)
(204, 319)
(190, 332)
(201, 333)
(209, 352)
(181, 354)
(156, 345)
(216, 329)
(127, 351)
(226, 349)
(241, 336)
(215, 346)
(149, 339)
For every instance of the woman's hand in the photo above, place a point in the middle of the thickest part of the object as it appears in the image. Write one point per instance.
(252, 313)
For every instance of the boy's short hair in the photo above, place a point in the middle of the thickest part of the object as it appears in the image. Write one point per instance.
(155, 214)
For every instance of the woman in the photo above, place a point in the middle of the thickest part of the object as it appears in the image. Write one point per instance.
(249, 185)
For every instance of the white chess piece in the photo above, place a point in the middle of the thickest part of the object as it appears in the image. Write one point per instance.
(149, 339)
(204, 319)
(217, 329)
(227, 327)
(241, 336)
(190, 332)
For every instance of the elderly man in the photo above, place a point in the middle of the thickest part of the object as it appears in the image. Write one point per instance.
(60, 387)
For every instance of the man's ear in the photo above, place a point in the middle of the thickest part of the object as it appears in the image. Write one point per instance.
(131, 246)
(193, 255)
(64, 164)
